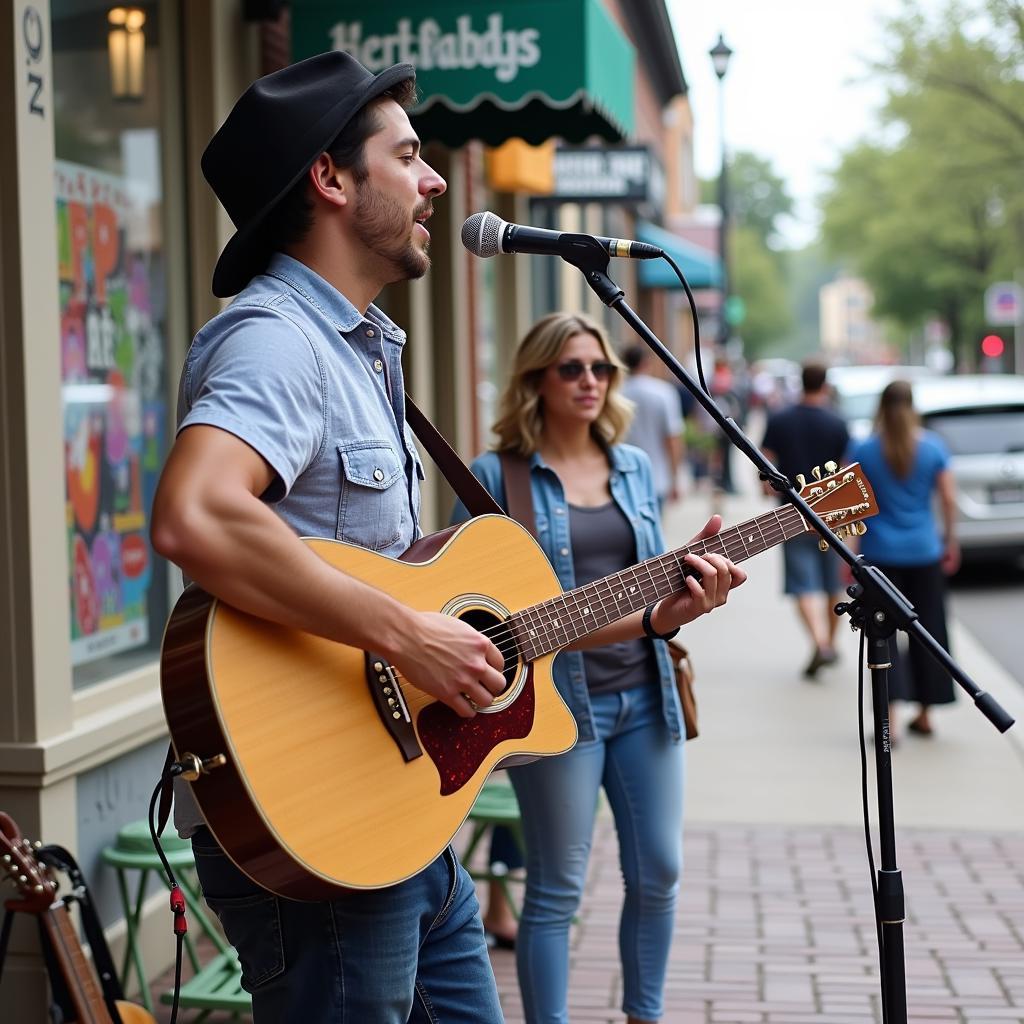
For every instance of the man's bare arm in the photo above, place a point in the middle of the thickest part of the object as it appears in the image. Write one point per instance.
(209, 520)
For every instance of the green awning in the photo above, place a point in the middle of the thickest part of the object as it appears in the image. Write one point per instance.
(486, 70)
(700, 267)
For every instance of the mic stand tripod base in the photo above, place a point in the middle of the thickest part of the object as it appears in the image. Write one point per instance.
(878, 629)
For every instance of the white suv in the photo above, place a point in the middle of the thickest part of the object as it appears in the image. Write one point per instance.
(981, 419)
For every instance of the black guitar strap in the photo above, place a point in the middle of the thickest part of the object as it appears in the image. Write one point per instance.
(57, 857)
(470, 491)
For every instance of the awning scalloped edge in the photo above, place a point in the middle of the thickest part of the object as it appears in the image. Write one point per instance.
(488, 119)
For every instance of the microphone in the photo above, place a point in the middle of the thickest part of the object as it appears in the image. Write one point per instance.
(486, 234)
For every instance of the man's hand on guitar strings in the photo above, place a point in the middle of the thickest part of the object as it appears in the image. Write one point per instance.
(715, 576)
(451, 661)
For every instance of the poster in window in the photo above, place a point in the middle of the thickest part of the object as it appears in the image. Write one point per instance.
(114, 412)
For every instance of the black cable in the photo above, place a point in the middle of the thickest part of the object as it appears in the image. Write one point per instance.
(696, 323)
(867, 826)
(177, 899)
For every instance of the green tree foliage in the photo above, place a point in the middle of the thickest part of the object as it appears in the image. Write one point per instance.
(757, 195)
(757, 198)
(934, 213)
(758, 278)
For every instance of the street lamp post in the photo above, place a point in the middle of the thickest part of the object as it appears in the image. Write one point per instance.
(720, 54)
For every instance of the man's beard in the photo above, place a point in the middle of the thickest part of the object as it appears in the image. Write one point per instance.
(385, 228)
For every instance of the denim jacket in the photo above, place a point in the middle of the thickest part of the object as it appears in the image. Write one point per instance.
(632, 489)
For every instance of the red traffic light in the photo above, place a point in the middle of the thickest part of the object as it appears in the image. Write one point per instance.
(992, 346)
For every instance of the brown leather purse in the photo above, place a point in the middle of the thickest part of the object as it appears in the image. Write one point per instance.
(684, 685)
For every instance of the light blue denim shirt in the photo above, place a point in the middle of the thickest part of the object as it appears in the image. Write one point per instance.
(301, 376)
(632, 489)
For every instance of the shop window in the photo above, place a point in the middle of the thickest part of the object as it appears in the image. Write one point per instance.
(113, 305)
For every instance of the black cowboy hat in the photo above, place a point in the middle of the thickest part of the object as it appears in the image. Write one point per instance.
(272, 136)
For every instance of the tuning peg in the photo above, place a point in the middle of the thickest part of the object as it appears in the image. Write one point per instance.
(801, 480)
(37, 845)
(842, 532)
(830, 485)
(823, 544)
(831, 467)
(7, 858)
(861, 528)
(816, 472)
(39, 888)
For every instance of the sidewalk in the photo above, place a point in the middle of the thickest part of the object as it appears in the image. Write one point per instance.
(775, 920)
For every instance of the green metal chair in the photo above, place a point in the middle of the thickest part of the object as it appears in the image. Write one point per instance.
(133, 852)
(495, 805)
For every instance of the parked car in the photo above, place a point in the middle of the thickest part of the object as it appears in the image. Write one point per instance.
(856, 390)
(981, 419)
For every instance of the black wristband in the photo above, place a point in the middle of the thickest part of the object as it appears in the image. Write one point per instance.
(649, 628)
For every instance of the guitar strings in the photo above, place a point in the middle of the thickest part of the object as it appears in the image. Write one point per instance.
(660, 563)
(731, 546)
(710, 545)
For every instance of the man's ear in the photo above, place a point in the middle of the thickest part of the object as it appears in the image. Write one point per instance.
(329, 181)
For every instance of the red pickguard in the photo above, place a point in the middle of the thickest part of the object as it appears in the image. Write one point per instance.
(458, 746)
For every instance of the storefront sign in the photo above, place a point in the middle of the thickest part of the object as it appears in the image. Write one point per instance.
(492, 47)
(32, 37)
(480, 63)
(591, 174)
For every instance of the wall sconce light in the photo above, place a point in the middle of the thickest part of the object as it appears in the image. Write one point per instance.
(126, 47)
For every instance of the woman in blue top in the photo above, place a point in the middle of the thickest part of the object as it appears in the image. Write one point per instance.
(907, 466)
(596, 512)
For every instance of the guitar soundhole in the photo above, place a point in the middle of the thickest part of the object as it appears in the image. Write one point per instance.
(501, 636)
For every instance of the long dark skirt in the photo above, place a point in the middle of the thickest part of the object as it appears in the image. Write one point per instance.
(915, 675)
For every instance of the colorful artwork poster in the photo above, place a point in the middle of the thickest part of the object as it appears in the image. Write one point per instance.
(114, 410)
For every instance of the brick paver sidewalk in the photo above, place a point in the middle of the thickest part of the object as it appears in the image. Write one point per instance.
(775, 925)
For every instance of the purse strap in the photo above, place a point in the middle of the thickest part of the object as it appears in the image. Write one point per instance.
(468, 489)
(515, 472)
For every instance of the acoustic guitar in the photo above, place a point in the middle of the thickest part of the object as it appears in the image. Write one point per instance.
(325, 770)
(38, 895)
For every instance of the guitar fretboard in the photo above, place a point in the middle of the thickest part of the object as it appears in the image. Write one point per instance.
(560, 621)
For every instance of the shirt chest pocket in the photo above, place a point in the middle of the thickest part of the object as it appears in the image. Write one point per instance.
(646, 524)
(373, 508)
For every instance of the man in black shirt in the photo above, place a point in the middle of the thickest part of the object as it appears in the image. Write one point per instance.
(805, 435)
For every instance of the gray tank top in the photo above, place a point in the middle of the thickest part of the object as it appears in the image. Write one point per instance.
(603, 543)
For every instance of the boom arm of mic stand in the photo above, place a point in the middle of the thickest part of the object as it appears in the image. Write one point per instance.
(873, 594)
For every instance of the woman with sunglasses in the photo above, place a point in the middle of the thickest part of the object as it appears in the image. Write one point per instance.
(596, 512)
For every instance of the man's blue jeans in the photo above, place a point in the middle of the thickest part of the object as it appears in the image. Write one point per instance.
(413, 953)
(641, 770)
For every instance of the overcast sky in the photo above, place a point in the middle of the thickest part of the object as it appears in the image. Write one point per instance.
(796, 91)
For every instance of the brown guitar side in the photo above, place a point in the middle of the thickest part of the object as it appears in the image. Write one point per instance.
(314, 797)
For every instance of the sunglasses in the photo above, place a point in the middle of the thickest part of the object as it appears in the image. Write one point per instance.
(573, 369)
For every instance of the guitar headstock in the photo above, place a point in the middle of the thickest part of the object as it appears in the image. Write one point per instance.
(23, 869)
(843, 498)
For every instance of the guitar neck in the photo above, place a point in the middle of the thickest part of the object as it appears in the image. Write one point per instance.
(554, 624)
(83, 989)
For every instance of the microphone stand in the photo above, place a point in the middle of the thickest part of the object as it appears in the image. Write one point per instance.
(878, 609)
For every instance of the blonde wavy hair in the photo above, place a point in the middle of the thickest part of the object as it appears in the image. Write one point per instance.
(520, 420)
(897, 423)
